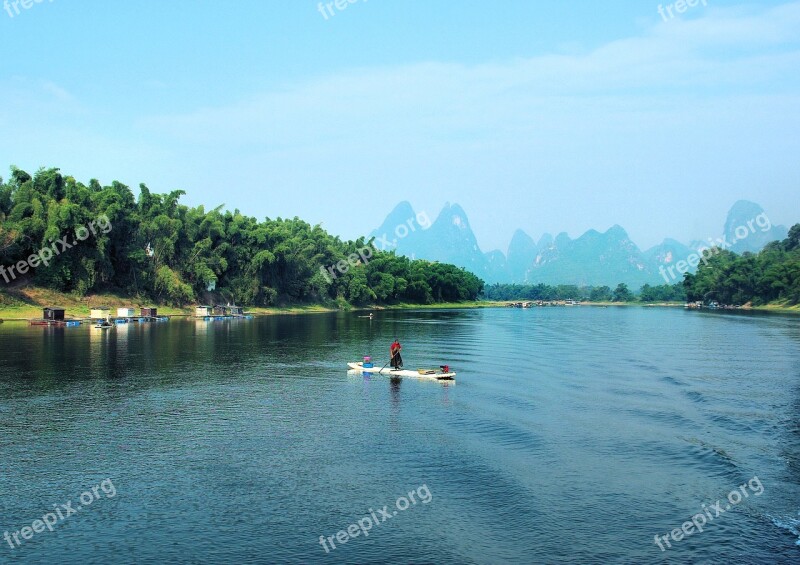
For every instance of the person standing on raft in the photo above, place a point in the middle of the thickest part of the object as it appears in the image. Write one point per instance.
(397, 360)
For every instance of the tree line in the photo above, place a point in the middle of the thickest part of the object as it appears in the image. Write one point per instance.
(169, 252)
(771, 275)
(520, 292)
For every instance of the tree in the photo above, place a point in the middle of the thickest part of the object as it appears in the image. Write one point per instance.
(600, 294)
(792, 242)
(622, 294)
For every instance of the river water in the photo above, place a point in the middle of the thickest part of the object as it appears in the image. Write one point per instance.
(571, 435)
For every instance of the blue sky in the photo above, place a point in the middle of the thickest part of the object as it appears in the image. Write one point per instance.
(549, 116)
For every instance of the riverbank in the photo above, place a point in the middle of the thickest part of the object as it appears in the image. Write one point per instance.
(26, 305)
(782, 308)
(75, 308)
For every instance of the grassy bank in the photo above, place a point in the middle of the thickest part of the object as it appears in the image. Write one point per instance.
(27, 304)
(781, 307)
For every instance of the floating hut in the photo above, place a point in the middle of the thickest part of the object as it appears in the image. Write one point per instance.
(149, 312)
(54, 316)
(126, 312)
(203, 311)
(53, 313)
(236, 310)
(100, 313)
(220, 310)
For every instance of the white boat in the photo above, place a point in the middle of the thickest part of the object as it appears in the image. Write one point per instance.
(430, 374)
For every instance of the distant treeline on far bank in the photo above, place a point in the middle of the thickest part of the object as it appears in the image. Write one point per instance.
(544, 292)
(58, 233)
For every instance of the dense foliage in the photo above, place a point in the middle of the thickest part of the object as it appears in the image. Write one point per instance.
(517, 292)
(771, 275)
(160, 249)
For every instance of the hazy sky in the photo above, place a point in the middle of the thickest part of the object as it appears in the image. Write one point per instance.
(545, 115)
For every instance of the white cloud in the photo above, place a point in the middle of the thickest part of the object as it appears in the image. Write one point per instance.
(727, 48)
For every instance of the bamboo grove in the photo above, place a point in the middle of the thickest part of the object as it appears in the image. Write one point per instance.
(166, 251)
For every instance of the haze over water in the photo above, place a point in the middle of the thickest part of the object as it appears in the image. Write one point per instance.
(570, 435)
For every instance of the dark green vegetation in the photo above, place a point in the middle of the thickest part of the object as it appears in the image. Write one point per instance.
(663, 293)
(155, 247)
(772, 275)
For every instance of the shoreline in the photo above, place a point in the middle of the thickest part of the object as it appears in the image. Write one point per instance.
(79, 308)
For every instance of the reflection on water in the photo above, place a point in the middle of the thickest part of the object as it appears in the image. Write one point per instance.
(394, 388)
(574, 435)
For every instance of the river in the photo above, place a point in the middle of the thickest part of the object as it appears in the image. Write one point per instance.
(571, 435)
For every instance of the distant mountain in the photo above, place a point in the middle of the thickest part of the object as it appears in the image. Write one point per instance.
(665, 255)
(387, 235)
(449, 239)
(593, 259)
(496, 268)
(748, 228)
(545, 241)
(522, 253)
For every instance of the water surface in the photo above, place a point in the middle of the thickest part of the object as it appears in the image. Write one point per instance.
(571, 435)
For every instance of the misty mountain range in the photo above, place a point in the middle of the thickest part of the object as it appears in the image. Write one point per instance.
(593, 259)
